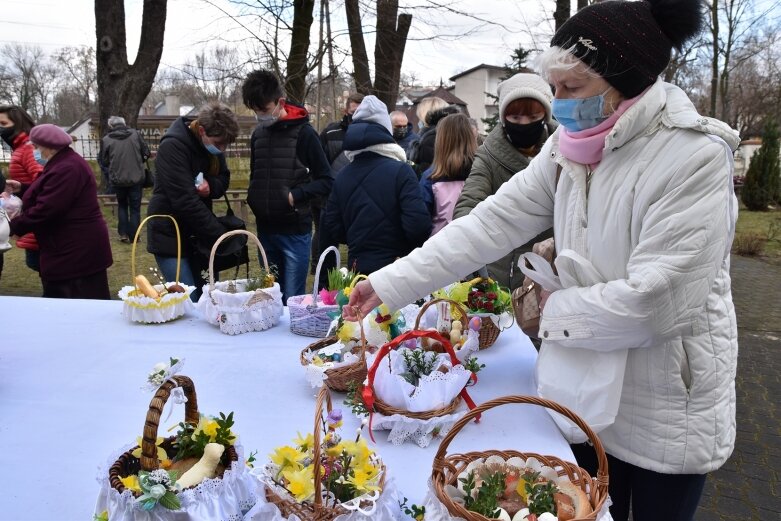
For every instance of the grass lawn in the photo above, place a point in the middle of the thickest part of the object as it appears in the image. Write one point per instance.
(19, 280)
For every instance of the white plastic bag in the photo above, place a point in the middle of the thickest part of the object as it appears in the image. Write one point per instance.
(5, 231)
(586, 381)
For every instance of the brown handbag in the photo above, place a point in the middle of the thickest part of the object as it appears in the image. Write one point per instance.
(526, 299)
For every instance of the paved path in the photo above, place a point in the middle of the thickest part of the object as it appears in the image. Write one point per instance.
(748, 486)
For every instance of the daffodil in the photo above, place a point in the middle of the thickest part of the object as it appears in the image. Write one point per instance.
(363, 478)
(209, 427)
(161, 454)
(305, 443)
(287, 457)
(131, 483)
(300, 483)
(347, 332)
(335, 451)
(103, 516)
(359, 451)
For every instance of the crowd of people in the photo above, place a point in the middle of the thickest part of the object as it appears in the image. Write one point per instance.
(614, 162)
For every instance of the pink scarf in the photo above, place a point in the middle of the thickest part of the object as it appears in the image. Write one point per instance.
(586, 146)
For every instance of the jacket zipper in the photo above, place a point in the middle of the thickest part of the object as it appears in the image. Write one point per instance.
(268, 174)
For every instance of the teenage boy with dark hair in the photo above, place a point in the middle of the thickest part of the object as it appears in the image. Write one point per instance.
(288, 168)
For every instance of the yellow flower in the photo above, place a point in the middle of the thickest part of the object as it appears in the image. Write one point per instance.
(363, 478)
(209, 426)
(131, 483)
(103, 516)
(166, 463)
(335, 451)
(521, 489)
(305, 443)
(301, 482)
(161, 455)
(287, 457)
(347, 332)
(347, 291)
(358, 450)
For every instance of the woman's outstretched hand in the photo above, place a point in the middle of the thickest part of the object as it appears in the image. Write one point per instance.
(363, 299)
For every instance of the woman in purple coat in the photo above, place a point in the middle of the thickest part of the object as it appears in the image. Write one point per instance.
(61, 208)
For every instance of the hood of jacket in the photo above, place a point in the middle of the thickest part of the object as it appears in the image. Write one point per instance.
(296, 115)
(363, 134)
(121, 132)
(433, 117)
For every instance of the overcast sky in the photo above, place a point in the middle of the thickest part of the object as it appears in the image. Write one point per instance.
(52, 24)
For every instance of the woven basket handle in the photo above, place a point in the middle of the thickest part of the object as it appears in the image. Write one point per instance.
(320, 265)
(149, 460)
(464, 319)
(135, 243)
(322, 396)
(602, 477)
(222, 238)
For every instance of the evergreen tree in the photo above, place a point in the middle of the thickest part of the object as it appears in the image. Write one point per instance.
(516, 65)
(762, 184)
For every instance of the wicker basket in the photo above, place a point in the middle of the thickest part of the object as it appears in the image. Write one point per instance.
(228, 305)
(339, 378)
(127, 464)
(373, 403)
(314, 511)
(489, 331)
(137, 307)
(446, 469)
(464, 319)
(313, 319)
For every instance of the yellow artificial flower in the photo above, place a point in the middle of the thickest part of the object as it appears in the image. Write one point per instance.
(209, 426)
(362, 479)
(347, 291)
(131, 483)
(103, 516)
(301, 483)
(347, 332)
(287, 457)
(305, 443)
(166, 463)
(161, 454)
(359, 450)
(335, 451)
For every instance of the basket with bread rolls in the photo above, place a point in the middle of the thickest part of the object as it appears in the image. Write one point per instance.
(515, 486)
(155, 301)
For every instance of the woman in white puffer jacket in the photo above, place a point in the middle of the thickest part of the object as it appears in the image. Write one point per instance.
(645, 202)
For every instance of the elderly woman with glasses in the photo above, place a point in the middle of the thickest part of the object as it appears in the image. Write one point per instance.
(637, 187)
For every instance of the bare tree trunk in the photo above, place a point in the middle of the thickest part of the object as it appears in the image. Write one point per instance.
(363, 82)
(295, 82)
(582, 4)
(122, 87)
(331, 65)
(715, 60)
(389, 50)
(320, 53)
(561, 14)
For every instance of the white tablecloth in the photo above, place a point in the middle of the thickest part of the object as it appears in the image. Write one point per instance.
(71, 373)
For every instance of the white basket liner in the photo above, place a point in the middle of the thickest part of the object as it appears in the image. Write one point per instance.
(421, 432)
(386, 507)
(169, 307)
(214, 499)
(231, 312)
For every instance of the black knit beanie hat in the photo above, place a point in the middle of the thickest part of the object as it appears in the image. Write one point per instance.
(629, 43)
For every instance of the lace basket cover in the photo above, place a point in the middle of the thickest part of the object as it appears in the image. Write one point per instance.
(434, 391)
(240, 311)
(140, 308)
(226, 499)
(380, 507)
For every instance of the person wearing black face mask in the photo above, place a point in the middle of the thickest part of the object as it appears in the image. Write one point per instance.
(524, 125)
(402, 130)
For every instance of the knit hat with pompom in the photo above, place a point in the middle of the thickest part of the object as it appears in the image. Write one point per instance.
(629, 43)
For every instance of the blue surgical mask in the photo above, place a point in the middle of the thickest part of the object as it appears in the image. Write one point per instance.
(213, 150)
(38, 157)
(579, 114)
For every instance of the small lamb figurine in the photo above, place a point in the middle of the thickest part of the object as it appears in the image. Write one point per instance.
(205, 468)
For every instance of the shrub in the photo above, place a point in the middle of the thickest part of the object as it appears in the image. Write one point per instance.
(749, 244)
(762, 178)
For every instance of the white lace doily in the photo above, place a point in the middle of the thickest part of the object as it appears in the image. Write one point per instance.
(436, 511)
(228, 498)
(385, 506)
(315, 374)
(146, 310)
(421, 432)
(243, 311)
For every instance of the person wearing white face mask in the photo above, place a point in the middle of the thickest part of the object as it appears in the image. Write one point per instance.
(288, 169)
(638, 188)
(190, 150)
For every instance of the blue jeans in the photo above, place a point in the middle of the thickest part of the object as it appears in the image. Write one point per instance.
(129, 205)
(167, 266)
(290, 255)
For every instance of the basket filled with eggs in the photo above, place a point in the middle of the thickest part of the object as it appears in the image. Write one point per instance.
(199, 473)
(509, 485)
(156, 301)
